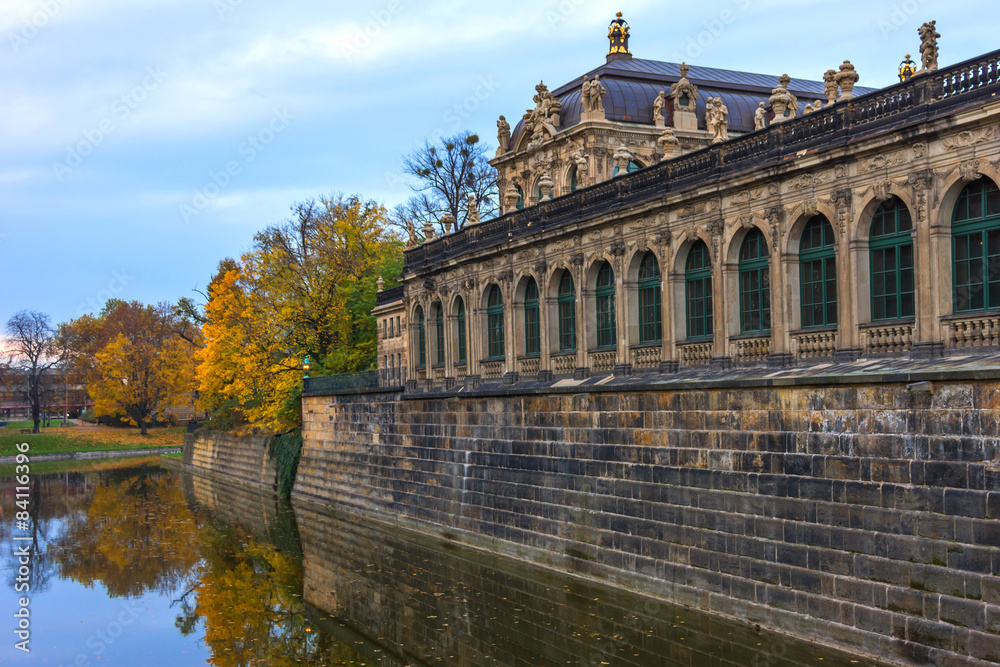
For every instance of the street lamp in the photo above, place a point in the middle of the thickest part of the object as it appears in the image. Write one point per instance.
(305, 368)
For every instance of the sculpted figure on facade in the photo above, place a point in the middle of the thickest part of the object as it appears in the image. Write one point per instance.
(658, 104)
(717, 119)
(411, 231)
(784, 105)
(846, 78)
(830, 88)
(760, 117)
(503, 135)
(472, 211)
(684, 95)
(582, 169)
(928, 47)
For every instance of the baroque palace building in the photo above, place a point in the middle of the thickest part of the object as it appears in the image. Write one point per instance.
(656, 216)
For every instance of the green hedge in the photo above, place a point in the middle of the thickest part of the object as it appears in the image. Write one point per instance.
(285, 450)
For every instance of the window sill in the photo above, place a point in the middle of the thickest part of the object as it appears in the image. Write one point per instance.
(969, 314)
(822, 329)
(654, 343)
(754, 334)
(536, 355)
(695, 341)
(887, 323)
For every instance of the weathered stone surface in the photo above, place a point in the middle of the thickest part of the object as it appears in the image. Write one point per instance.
(862, 515)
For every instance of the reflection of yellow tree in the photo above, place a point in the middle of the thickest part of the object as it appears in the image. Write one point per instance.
(250, 598)
(137, 535)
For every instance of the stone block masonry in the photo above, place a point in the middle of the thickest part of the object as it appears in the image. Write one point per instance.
(860, 515)
(243, 460)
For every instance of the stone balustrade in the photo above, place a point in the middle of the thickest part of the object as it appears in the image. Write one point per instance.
(528, 365)
(646, 357)
(603, 362)
(981, 331)
(751, 350)
(492, 370)
(695, 354)
(813, 344)
(887, 338)
(564, 364)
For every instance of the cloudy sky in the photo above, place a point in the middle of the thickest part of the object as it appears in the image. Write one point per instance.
(141, 141)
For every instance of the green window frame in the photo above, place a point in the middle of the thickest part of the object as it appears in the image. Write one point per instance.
(605, 298)
(818, 274)
(650, 301)
(567, 313)
(890, 247)
(421, 339)
(462, 353)
(494, 324)
(698, 292)
(755, 284)
(439, 334)
(532, 332)
(976, 247)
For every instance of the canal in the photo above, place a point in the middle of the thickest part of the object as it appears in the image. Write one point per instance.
(134, 565)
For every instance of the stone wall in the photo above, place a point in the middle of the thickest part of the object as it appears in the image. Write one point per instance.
(240, 459)
(861, 516)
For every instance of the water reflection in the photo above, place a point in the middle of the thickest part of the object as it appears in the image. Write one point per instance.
(229, 577)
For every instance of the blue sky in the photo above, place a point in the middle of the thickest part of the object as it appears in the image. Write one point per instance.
(141, 141)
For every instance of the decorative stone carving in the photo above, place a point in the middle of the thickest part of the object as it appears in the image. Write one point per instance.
(428, 231)
(429, 284)
(503, 135)
(381, 284)
(540, 267)
(622, 156)
(510, 197)
(830, 86)
(505, 276)
(582, 169)
(472, 210)
(576, 259)
(658, 104)
(775, 214)
(545, 185)
(968, 138)
(592, 99)
(760, 117)
(411, 231)
(784, 105)
(846, 78)
(717, 119)
(543, 120)
(746, 221)
(668, 143)
(691, 234)
(810, 207)
(920, 183)
(928, 47)
(447, 221)
(882, 190)
(773, 189)
(968, 170)
(684, 95)
(663, 238)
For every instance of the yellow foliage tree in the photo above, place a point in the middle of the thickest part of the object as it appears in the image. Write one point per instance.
(139, 366)
(305, 288)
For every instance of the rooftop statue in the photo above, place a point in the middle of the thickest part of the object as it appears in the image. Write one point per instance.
(928, 47)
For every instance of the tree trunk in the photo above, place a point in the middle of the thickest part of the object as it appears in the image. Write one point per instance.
(143, 426)
(36, 417)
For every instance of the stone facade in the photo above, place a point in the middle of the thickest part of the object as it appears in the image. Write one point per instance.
(909, 151)
(862, 515)
(390, 320)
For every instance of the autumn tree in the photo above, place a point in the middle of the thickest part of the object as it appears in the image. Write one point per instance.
(34, 350)
(135, 362)
(305, 288)
(444, 177)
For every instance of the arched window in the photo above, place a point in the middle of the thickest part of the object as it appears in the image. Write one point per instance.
(567, 313)
(494, 324)
(632, 166)
(532, 335)
(520, 197)
(605, 292)
(755, 284)
(818, 273)
(421, 339)
(460, 309)
(976, 234)
(650, 311)
(891, 248)
(573, 182)
(439, 334)
(698, 292)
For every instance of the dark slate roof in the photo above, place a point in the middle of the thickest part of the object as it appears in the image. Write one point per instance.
(633, 85)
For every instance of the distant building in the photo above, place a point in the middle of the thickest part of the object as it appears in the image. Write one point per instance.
(733, 219)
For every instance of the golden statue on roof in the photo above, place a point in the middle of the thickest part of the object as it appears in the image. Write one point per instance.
(618, 36)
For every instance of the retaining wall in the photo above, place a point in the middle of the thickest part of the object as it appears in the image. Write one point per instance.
(860, 516)
(239, 459)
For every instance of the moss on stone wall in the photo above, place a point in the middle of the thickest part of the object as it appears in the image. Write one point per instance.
(285, 450)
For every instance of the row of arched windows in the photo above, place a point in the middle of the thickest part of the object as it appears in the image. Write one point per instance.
(976, 271)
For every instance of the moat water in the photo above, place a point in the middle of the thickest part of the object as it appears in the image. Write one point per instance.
(133, 565)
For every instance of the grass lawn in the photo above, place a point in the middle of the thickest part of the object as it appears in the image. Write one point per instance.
(174, 455)
(55, 439)
(29, 424)
(51, 467)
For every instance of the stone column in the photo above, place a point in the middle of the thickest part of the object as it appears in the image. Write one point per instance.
(544, 335)
(623, 319)
(932, 248)
(510, 337)
(668, 364)
(582, 311)
(450, 347)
